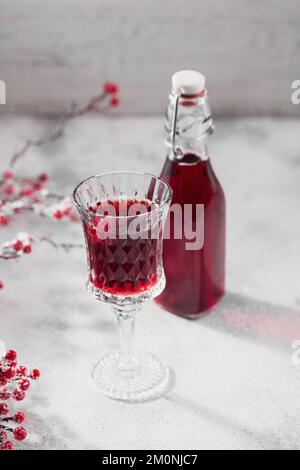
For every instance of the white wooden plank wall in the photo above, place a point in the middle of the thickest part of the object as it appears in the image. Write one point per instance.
(55, 51)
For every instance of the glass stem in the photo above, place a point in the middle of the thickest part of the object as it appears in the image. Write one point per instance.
(126, 319)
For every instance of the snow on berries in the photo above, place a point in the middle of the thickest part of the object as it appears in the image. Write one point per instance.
(22, 244)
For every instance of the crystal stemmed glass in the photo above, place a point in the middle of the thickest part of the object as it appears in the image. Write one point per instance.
(123, 215)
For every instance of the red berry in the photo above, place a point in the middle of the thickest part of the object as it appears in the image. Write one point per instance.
(11, 355)
(21, 370)
(3, 219)
(7, 445)
(9, 373)
(3, 380)
(35, 374)
(43, 177)
(3, 409)
(67, 211)
(110, 87)
(57, 214)
(27, 249)
(20, 433)
(38, 186)
(26, 191)
(9, 189)
(19, 417)
(1, 285)
(24, 384)
(7, 174)
(115, 101)
(17, 245)
(18, 395)
(5, 394)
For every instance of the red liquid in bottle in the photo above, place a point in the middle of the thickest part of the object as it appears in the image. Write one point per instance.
(121, 266)
(195, 279)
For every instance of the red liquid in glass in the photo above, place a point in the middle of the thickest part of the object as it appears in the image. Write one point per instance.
(195, 279)
(120, 266)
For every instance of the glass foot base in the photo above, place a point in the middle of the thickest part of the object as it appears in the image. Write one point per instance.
(143, 378)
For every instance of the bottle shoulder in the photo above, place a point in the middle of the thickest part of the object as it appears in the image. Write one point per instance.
(192, 180)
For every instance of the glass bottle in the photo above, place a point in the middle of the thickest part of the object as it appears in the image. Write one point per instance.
(195, 272)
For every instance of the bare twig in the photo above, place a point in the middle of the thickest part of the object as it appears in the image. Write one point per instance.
(58, 131)
(64, 246)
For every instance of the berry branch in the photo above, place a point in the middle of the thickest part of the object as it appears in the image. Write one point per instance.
(22, 244)
(99, 103)
(64, 246)
(15, 380)
(19, 194)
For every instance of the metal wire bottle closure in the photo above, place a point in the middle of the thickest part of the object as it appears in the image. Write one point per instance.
(176, 150)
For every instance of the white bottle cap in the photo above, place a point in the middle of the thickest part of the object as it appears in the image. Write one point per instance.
(188, 82)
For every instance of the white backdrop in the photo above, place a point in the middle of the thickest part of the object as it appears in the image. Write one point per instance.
(54, 51)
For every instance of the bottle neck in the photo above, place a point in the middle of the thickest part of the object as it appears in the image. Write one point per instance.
(188, 122)
(190, 152)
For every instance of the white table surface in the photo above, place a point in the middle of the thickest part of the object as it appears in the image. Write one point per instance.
(236, 387)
